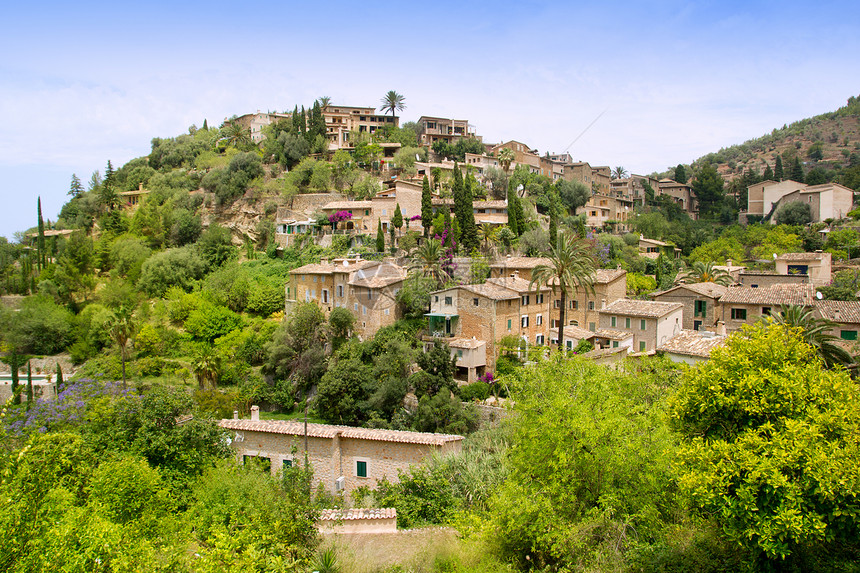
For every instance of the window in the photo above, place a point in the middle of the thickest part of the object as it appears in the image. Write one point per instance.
(642, 324)
(340, 291)
(325, 296)
(364, 310)
(288, 292)
(848, 334)
(539, 339)
(448, 300)
(315, 278)
(553, 323)
(475, 302)
(436, 298)
(361, 468)
(384, 212)
(539, 299)
(700, 308)
(509, 324)
(627, 322)
(355, 307)
(614, 344)
(641, 346)
(385, 312)
(569, 344)
(366, 212)
(556, 303)
(525, 301)
(591, 327)
(739, 314)
(765, 311)
(287, 464)
(574, 305)
(539, 319)
(612, 322)
(591, 305)
(524, 321)
(697, 324)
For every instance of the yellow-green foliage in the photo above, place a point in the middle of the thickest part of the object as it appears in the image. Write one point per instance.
(770, 445)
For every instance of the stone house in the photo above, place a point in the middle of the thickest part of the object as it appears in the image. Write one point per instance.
(523, 155)
(366, 215)
(255, 122)
(845, 313)
(814, 265)
(651, 323)
(603, 208)
(494, 212)
(826, 201)
(651, 249)
(131, 199)
(761, 197)
(692, 347)
(633, 187)
(433, 129)
(746, 305)
(701, 303)
(488, 312)
(608, 286)
(343, 458)
(682, 194)
(368, 289)
(341, 122)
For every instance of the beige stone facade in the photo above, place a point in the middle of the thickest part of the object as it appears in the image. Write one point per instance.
(745, 305)
(701, 303)
(651, 323)
(343, 122)
(603, 210)
(361, 456)
(368, 289)
(488, 312)
(681, 194)
(433, 129)
(816, 266)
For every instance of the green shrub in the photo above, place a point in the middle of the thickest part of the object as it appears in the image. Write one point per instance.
(476, 391)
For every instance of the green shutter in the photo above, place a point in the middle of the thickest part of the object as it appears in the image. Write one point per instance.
(361, 469)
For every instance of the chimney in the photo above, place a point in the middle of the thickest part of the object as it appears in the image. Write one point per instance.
(721, 328)
(255, 413)
(728, 262)
(235, 414)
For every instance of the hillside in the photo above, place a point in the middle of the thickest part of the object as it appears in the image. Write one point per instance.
(829, 142)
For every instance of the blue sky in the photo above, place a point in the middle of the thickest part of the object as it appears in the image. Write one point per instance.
(81, 84)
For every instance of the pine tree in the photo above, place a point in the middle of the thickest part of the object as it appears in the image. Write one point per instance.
(380, 238)
(42, 259)
(397, 218)
(768, 173)
(680, 175)
(797, 171)
(426, 206)
(76, 189)
(107, 194)
(778, 172)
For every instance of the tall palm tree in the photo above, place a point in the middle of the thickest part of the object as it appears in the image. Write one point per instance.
(619, 173)
(393, 101)
(571, 265)
(815, 332)
(705, 273)
(428, 261)
(206, 367)
(324, 101)
(488, 233)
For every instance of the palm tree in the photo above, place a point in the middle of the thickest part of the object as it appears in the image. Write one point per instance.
(393, 101)
(237, 135)
(705, 273)
(206, 367)
(506, 157)
(428, 260)
(815, 332)
(571, 265)
(488, 233)
(619, 173)
(122, 329)
(324, 102)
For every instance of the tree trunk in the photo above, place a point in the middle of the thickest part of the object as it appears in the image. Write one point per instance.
(122, 359)
(561, 320)
(13, 364)
(29, 385)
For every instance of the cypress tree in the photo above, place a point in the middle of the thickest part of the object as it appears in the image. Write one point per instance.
(426, 206)
(303, 125)
(317, 122)
(680, 174)
(59, 378)
(446, 217)
(29, 385)
(512, 213)
(553, 217)
(457, 190)
(380, 238)
(768, 173)
(397, 219)
(205, 125)
(468, 228)
(41, 243)
(797, 171)
(295, 117)
(778, 172)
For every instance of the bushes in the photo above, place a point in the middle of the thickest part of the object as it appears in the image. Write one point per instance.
(231, 183)
(174, 267)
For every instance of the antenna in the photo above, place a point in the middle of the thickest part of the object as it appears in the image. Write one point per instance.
(566, 149)
(819, 296)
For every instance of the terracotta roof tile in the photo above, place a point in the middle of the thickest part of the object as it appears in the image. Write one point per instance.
(613, 334)
(800, 257)
(358, 513)
(711, 290)
(644, 308)
(346, 205)
(576, 332)
(328, 431)
(693, 343)
(796, 294)
(379, 276)
(492, 291)
(840, 311)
